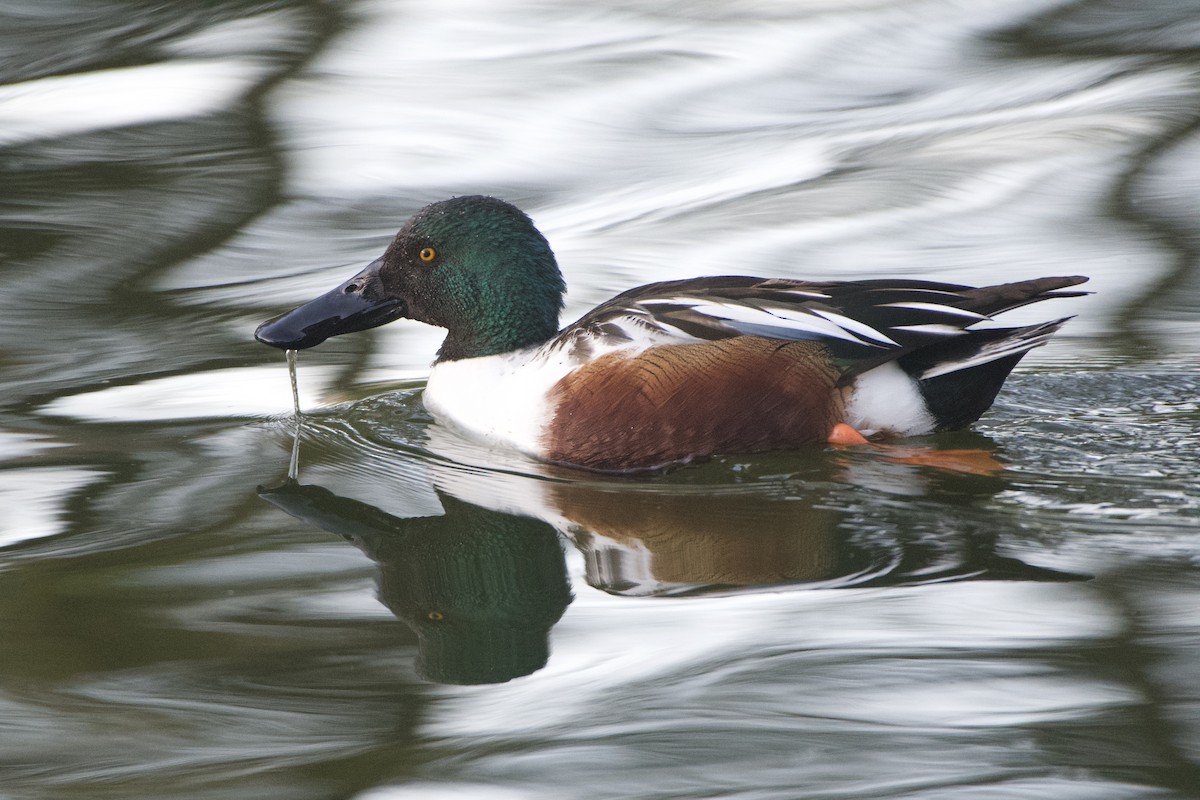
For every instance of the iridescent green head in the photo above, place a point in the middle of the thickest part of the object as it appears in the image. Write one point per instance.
(474, 265)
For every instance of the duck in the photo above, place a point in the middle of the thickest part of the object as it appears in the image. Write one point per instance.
(675, 371)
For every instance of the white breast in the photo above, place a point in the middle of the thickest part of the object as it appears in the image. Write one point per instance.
(498, 399)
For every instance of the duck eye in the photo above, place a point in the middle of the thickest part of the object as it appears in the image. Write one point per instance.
(427, 254)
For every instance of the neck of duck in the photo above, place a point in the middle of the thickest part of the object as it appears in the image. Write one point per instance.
(506, 326)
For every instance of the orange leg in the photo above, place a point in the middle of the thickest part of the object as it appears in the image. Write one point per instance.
(972, 462)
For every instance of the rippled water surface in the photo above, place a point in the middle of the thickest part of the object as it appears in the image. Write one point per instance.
(419, 617)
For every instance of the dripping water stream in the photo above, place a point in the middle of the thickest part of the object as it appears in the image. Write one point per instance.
(294, 464)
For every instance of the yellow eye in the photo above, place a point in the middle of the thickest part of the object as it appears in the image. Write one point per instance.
(427, 254)
(435, 616)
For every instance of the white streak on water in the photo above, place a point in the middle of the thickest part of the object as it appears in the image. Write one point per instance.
(70, 104)
(605, 647)
(454, 790)
(242, 392)
(32, 500)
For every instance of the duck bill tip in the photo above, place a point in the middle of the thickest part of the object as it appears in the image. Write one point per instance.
(332, 314)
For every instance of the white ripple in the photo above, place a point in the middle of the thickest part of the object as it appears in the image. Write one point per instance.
(33, 500)
(223, 393)
(111, 98)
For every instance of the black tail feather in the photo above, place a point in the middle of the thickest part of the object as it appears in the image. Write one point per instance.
(959, 380)
(1003, 297)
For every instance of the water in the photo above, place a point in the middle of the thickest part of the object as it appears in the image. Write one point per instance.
(186, 614)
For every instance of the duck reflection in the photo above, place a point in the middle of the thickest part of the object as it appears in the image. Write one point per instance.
(480, 588)
(737, 542)
(691, 542)
(482, 584)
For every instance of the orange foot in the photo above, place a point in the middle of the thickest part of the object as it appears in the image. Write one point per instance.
(971, 462)
(844, 435)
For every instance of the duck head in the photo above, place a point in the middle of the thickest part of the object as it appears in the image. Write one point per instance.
(474, 265)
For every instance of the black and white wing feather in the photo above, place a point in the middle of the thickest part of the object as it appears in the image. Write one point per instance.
(863, 323)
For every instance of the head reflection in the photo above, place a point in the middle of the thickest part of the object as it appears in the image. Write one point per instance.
(481, 589)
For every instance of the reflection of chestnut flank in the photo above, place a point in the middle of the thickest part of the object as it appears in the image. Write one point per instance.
(726, 539)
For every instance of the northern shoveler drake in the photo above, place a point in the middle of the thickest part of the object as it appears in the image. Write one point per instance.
(673, 371)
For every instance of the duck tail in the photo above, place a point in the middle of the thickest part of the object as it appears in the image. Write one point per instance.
(959, 380)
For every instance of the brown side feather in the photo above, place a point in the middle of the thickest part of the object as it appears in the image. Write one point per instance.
(680, 402)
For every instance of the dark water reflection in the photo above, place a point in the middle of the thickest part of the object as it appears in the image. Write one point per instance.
(480, 588)
(175, 172)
